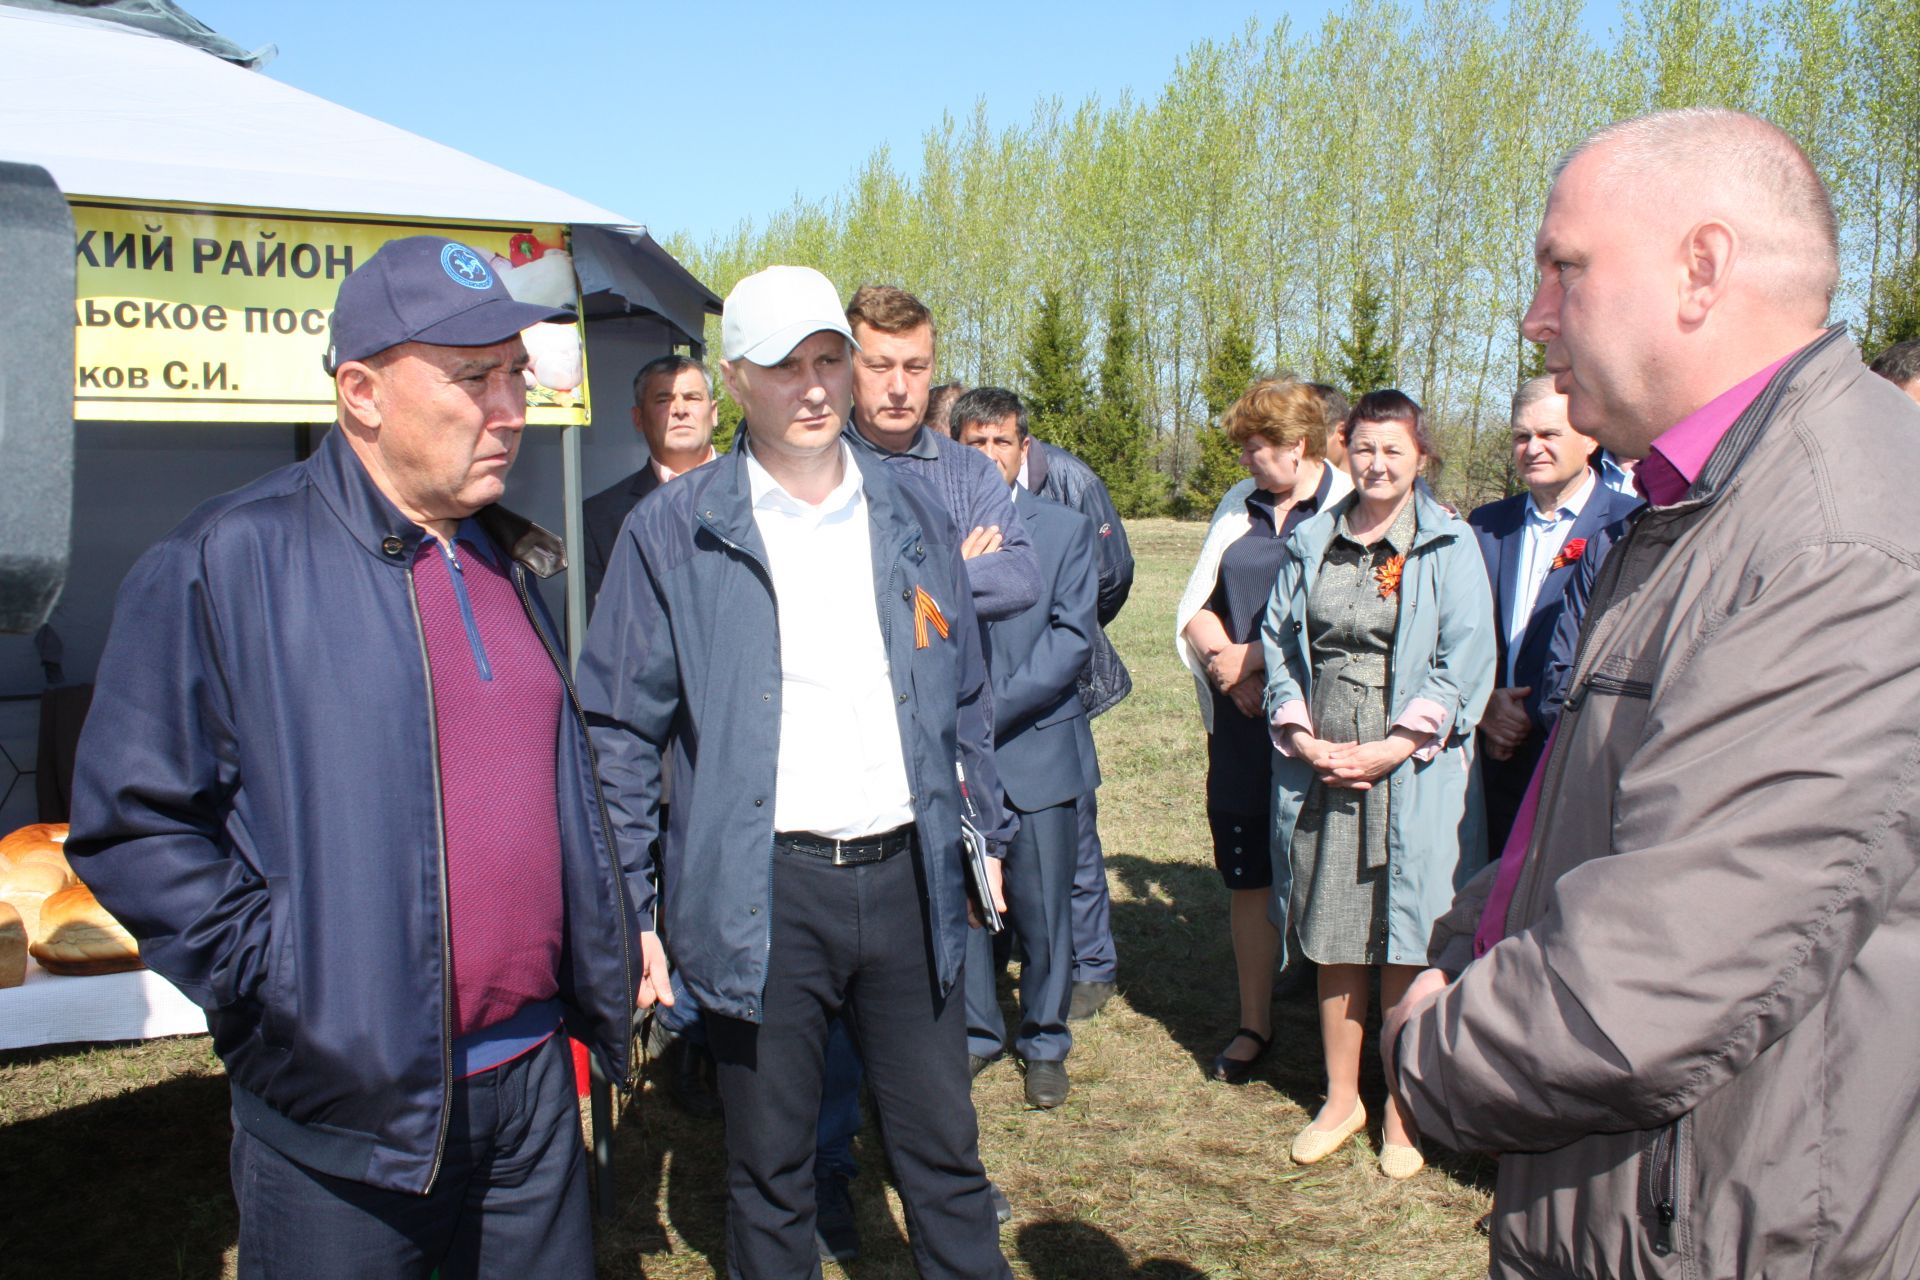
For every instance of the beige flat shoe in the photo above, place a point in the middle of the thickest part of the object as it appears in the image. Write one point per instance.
(1400, 1163)
(1313, 1145)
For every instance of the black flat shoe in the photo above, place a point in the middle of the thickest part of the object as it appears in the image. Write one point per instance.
(1237, 1070)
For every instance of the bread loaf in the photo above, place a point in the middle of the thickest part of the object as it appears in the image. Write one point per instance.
(78, 936)
(13, 947)
(26, 885)
(38, 835)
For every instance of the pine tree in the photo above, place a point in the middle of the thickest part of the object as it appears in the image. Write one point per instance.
(1115, 440)
(1056, 391)
(1367, 357)
(1230, 371)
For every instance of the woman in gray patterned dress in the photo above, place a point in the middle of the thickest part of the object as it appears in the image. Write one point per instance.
(1380, 660)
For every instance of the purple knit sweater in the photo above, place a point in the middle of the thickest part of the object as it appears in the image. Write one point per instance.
(496, 705)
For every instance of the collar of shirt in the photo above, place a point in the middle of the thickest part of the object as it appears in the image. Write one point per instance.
(1266, 503)
(1020, 477)
(768, 495)
(474, 536)
(1679, 452)
(1569, 509)
(921, 446)
(666, 475)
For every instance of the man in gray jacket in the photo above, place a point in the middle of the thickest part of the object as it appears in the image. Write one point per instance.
(1681, 1008)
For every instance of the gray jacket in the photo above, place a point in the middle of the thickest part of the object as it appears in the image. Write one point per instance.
(1696, 1045)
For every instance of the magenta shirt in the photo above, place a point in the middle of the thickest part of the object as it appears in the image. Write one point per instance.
(497, 705)
(1679, 452)
(1663, 478)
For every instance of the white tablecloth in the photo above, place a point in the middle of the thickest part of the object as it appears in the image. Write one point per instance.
(48, 1009)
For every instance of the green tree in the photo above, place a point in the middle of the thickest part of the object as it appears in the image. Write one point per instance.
(730, 416)
(1115, 440)
(1230, 371)
(1367, 354)
(1896, 313)
(1055, 389)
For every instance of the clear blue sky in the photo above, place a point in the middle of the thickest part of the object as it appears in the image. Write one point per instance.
(765, 99)
(691, 117)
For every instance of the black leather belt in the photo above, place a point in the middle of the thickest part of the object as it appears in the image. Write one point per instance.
(847, 853)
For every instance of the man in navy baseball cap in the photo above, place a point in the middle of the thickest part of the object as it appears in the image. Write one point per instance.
(388, 969)
(426, 289)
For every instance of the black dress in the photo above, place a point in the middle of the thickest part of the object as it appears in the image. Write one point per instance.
(1240, 748)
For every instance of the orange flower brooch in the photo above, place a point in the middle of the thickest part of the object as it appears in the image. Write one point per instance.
(1387, 574)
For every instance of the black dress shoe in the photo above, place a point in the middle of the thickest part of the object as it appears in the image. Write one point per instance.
(1238, 1070)
(1046, 1083)
(1002, 1208)
(835, 1231)
(976, 1064)
(691, 1085)
(1088, 999)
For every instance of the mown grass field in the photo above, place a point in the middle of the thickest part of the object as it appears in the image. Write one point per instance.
(114, 1158)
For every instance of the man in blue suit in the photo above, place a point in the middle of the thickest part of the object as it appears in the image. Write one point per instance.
(1045, 752)
(1531, 541)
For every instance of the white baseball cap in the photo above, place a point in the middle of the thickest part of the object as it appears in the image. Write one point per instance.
(771, 312)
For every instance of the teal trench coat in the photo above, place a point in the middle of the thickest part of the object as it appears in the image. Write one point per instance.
(1443, 651)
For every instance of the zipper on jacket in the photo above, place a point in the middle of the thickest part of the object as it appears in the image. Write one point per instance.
(766, 576)
(600, 800)
(446, 928)
(1609, 685)
(1663, 1185)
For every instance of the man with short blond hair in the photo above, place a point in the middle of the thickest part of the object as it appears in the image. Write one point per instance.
(1678, 1007)
(892, 379)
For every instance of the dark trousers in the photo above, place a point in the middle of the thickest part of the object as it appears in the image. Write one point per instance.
(1093, 954)
(1505, 783)
(1039, 881)
(510, 1198)
(851, 941)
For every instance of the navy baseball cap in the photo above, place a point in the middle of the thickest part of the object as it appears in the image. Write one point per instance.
(425, 289)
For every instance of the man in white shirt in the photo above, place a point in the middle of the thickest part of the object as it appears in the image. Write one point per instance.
(1531, 542)
(803, 620)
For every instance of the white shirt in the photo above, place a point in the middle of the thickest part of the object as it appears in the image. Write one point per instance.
(1542, 535)
(841, 771)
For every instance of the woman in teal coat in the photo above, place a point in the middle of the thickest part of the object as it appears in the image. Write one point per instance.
(1379, 646)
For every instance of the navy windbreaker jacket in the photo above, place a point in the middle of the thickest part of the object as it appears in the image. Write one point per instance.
(257, 799)
(684, 649)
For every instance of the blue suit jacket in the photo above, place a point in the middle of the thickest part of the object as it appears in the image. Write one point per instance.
(1042, 744)
(1500, 529)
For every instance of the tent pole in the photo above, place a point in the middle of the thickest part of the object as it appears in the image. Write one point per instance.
(576, 536)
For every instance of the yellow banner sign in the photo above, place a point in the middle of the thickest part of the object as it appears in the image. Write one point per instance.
(220, 315)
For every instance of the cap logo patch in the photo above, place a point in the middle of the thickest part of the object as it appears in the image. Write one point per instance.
(463, 266)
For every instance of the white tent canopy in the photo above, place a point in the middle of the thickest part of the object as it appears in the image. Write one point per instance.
(112, 111)
(109, 110)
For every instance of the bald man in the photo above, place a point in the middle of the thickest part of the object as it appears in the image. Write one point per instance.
(1680, 1007)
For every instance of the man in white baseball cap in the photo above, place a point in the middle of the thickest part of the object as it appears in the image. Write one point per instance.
(803, 619)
